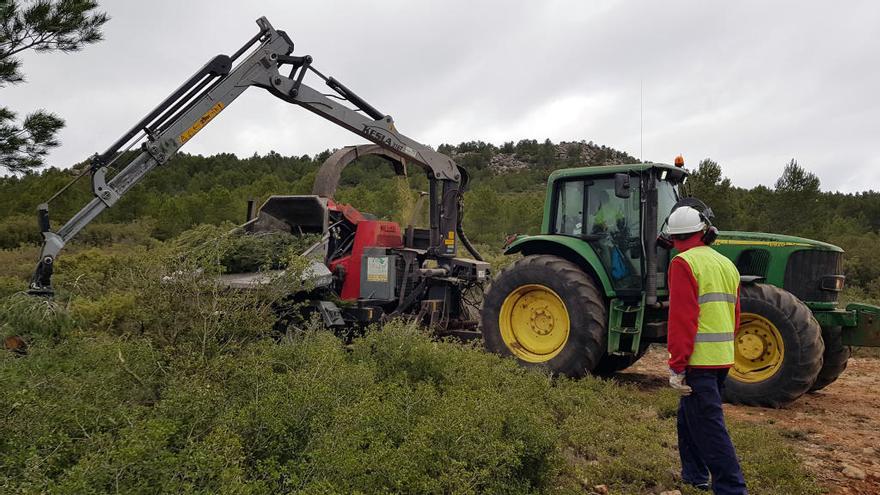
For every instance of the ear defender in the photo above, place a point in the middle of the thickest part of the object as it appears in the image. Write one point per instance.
(664, 240)
(710, 235)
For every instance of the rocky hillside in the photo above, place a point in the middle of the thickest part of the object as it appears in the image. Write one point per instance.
(530, 154)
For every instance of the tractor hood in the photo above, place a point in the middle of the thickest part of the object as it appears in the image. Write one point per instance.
(736, 238)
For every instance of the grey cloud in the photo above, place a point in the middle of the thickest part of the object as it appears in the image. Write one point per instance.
(750, 84)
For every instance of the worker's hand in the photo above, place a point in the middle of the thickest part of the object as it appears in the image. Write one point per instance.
(676, 381)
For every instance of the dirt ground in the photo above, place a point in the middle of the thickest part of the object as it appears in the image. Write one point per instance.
(836, 431)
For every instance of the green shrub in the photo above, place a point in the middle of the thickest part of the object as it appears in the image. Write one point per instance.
(59, 404)
(237, 251)
(34, 318)
(137, 232)
(19, 229)
(110, 312)
(90, 272)
(172, 294)
(19, 263)
(10, 285)
(307, 416)
(394, 412)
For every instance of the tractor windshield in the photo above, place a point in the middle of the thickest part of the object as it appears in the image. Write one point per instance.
(667, 195)
(590, 210)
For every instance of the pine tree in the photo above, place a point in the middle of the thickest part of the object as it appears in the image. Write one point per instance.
(42, 26)
(708, 184)
(797, 201)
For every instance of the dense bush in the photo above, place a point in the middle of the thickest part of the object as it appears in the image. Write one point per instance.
(33, 318)
(239, 251)
(17, 230)
(397, 412)
(152, 377)
(170, 292)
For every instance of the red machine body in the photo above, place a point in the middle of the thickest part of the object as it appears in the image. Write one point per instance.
(368, 233)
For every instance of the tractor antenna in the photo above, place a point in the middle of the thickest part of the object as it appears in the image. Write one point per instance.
(641, 120)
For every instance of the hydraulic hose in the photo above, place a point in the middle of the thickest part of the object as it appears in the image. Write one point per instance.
(467, 244)
(461, 235)
(465, 178)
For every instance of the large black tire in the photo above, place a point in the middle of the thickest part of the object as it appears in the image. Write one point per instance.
(608, 364)
(801, 342)
(835, 358)
(583, 302)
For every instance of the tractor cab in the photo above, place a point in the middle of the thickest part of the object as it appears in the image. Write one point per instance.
(596, 280)
(615, 210)
(589, 209)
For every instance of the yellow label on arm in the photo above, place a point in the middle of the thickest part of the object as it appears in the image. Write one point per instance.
(202, 122)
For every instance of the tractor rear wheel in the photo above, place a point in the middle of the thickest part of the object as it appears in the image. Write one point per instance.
(546, 311)
(778, 348)
(834, 360)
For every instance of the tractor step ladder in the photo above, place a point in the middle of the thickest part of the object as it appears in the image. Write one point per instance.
(625, 327)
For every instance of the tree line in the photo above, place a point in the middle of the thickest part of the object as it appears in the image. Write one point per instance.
(192, 189)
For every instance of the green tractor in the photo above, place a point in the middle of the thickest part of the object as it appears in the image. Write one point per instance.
(589, 294)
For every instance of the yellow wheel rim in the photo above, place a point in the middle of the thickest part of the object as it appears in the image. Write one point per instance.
(758, 349)
(534, 323)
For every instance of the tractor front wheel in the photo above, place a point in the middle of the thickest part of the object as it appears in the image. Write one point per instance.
(546, 311)
(834, 360)
(778, 348)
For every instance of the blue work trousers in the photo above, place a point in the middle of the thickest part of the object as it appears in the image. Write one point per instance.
(703, 442)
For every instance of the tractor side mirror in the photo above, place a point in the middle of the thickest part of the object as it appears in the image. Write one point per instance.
(621, 185)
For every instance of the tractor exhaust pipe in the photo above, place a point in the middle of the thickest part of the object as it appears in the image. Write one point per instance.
(251, 210)
(650, 243)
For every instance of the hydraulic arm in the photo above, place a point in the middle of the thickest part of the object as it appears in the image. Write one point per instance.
(214, 87)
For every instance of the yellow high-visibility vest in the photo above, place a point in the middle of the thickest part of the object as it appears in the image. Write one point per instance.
(607, 216)
(717, 282)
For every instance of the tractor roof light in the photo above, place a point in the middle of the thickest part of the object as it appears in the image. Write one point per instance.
(679, 161)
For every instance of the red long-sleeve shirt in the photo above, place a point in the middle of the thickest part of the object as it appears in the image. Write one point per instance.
(684, 309)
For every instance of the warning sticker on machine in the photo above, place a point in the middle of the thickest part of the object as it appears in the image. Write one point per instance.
(377, 269)
(202, 122)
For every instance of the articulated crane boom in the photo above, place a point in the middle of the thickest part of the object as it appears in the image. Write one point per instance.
(214, 87)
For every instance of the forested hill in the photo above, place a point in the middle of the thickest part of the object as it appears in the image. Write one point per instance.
(506, 196)
(190, 189)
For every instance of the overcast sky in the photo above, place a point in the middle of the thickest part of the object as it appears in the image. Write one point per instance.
(749, 84)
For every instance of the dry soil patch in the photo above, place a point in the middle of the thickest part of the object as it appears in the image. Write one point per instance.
(836, 431)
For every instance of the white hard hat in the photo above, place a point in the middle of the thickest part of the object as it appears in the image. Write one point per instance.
(685, 220)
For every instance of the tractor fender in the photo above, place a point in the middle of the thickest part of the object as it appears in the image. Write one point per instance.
(568, 248)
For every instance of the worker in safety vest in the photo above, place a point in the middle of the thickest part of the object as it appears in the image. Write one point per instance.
(703, 317)
(608, 214)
